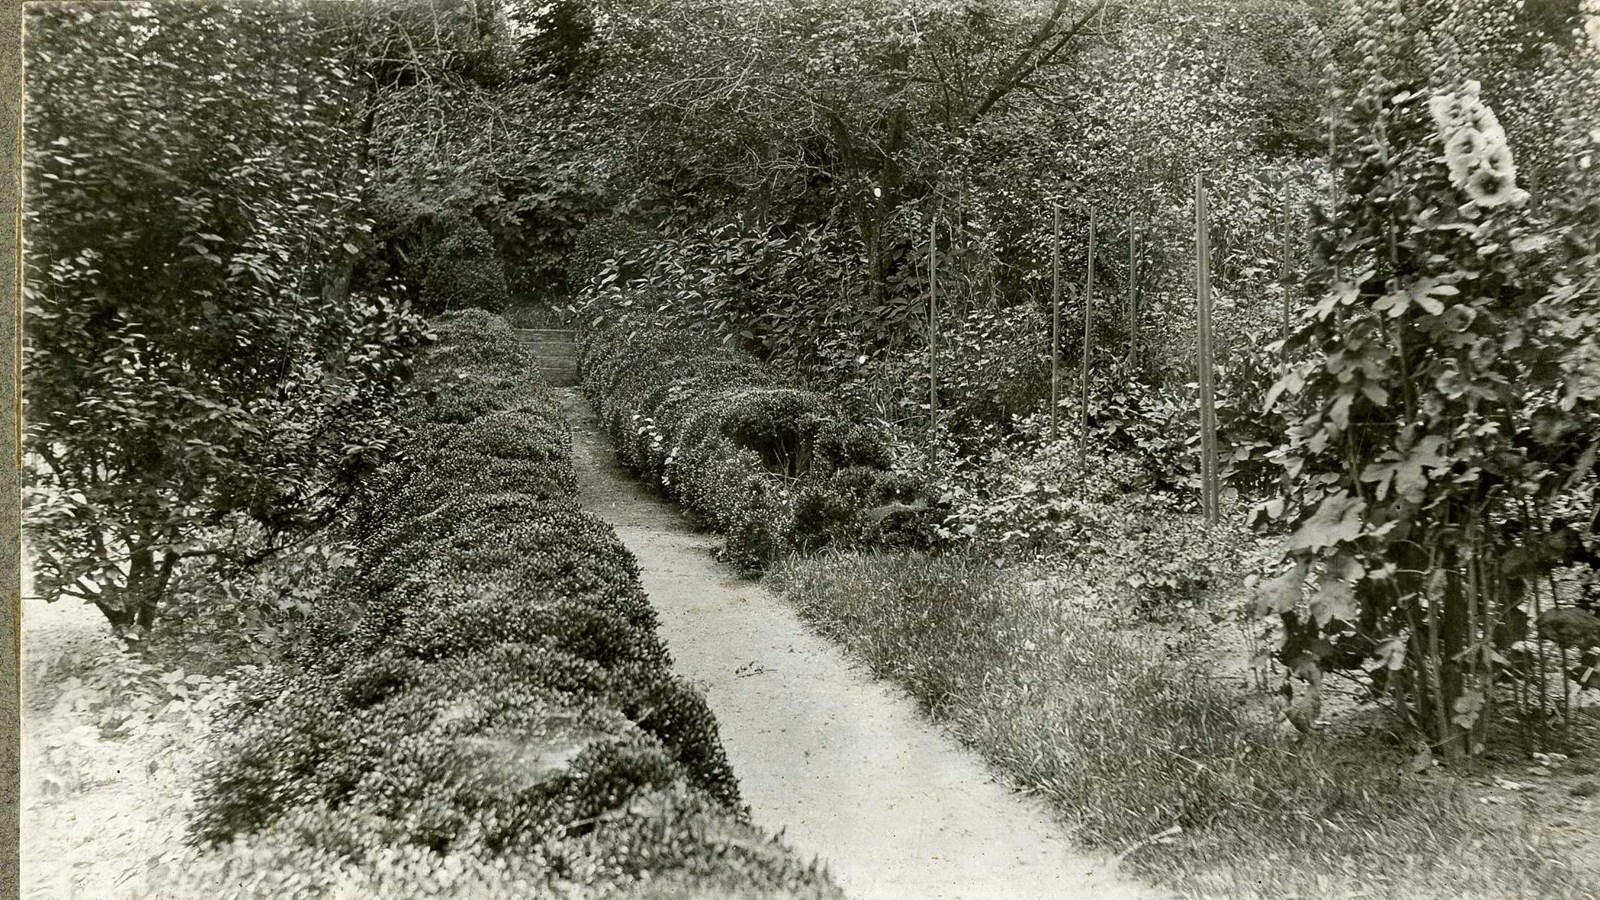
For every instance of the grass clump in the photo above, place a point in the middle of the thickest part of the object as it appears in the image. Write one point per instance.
(1125, 741)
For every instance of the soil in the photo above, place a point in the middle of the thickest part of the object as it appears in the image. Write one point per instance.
(844, 766)
(100, 807)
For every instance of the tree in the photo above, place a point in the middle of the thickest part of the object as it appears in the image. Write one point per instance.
(201, 381)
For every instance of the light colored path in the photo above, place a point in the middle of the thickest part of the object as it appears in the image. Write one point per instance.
(843, 765)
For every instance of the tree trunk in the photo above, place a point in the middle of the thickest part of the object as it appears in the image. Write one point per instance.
(137, 603)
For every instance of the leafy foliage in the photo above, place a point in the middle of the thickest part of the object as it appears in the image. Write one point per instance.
(487, 697)
(201, 379)
(464, 271)
(1442, 462)
(773, 467)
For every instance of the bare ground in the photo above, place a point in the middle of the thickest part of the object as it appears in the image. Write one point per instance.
(843, 765)
(100, 806)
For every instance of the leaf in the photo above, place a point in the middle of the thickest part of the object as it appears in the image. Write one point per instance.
(1281, 594)
(1395, 303)
(1467, 708)
(1337, 519)
(1334, 598)
(1427, 291)
(1339, 412)
(1530, 243)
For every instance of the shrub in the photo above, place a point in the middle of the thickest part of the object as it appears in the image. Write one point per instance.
(773, 467)
(488, 693)
(465, 271)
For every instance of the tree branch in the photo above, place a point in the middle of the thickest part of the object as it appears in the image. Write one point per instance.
(1032, 56)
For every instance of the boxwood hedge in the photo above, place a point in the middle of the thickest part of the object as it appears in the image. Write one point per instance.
(775, 468)
(485, 709)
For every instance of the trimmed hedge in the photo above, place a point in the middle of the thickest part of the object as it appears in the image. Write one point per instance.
(773, 467)
(486, 708)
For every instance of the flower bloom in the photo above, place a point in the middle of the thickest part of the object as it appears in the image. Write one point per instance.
(1490, 188)
(1475, 149)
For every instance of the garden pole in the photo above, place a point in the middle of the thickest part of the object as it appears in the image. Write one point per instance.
(1055, 325)
(1088, 310)
(1133, 297)
(1208, 410)
(933, 325)
(1283, 273)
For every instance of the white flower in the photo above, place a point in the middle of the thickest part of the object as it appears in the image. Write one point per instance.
(1486, 122)
(1489, 188)
(1463, 151)
(1447, 112)
(1498, 158)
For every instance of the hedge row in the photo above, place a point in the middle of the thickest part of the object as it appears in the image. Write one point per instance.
(485, 708)
(773, 467)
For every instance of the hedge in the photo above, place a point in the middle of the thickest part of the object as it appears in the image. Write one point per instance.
(773, 467)
(484, 708)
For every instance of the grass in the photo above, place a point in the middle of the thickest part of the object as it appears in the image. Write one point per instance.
(1124, 741)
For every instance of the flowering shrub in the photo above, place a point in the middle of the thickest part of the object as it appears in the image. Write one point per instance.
(484, 707)
(1475, 150)
(1440, 456)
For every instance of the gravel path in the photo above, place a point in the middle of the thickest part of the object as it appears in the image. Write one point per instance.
(843, 765)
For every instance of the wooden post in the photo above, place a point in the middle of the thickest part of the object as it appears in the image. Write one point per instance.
(1133, 296)
(1209, 494)
(1055, 325)
(1088, 310)
(933, 324)
(1283, 273)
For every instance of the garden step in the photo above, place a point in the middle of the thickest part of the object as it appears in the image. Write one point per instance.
(562, 377)
(565, 351)
(546, 334)
(554, 351)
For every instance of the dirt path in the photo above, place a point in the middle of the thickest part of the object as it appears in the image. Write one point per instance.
(842, 764)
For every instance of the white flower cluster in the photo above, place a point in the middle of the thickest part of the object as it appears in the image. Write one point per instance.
(1475, 148)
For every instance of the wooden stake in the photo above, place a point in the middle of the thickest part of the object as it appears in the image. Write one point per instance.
(1088, 310)
(1133, 296)
(1209, 495)
(1283, 273)
(933, 324)
(1055, 326)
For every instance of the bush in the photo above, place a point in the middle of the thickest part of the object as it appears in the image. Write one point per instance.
(465, 271)
(486, 706)
(775, 468)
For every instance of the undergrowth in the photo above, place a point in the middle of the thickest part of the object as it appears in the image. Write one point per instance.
(1127, 742)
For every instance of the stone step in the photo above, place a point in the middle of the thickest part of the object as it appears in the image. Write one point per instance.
(546, 334)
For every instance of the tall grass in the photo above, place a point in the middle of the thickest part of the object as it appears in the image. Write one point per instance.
(1124, 742)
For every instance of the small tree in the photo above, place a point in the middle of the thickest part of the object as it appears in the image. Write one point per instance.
(200, 381)
(1434, 440)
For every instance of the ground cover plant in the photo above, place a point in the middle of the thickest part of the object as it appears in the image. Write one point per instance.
(481, 706)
